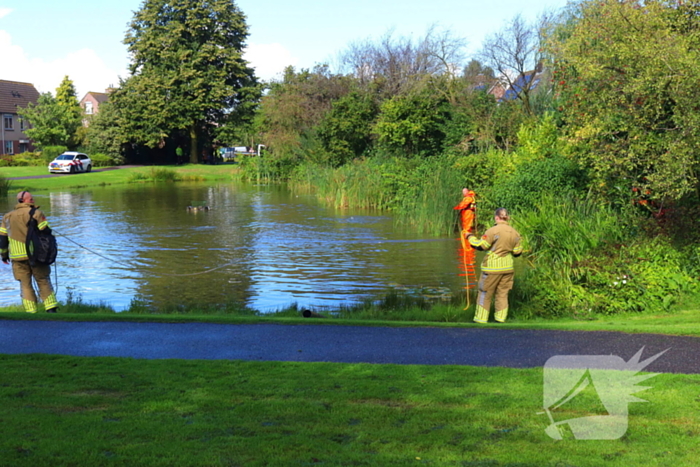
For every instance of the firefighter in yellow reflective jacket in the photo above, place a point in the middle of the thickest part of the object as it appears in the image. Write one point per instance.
(502, 243)
(13, 236)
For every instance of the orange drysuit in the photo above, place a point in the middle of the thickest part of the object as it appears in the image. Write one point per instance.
(467, 207)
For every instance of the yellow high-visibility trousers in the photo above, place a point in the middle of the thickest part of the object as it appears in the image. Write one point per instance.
(490, 285)
(23, 272)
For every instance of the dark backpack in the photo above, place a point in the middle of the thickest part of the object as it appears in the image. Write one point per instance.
(41, 244)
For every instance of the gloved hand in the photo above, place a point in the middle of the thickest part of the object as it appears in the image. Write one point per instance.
(5, 258)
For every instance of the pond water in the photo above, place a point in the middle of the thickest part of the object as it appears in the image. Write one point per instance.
(270, 248)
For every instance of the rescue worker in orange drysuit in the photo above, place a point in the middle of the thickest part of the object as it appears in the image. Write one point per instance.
(467, 214)
(502, 243)
(466, 209)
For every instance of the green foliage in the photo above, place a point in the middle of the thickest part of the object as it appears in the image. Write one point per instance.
(628, 73)
(346, 130)
(409, 125)
(51, 123)
(264, 169)
(106, 134)
(187, 72)
(101, 160)
(28, 159)
(49, 153)
(361, 183)
(426, 194)
(160, 174)
(524, 187)
(5, 185)
(294, 107)
(67, 99)
(583, 261)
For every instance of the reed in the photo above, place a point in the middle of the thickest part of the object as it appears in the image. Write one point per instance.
(160, 174)
(432, 189)
(565, 240)
(361, 184)
(5, 186)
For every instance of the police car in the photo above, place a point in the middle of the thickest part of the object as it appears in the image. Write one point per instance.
(70, 162)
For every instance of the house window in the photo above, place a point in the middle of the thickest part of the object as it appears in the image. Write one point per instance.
(9, 147)
(9, 124)
(88, 107)
(21, 124)
(23, 147)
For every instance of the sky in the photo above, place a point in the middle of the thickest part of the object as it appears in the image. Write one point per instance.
(41, 41)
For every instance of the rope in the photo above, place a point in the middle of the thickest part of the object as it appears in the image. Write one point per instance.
(128, 265)
(464, 258)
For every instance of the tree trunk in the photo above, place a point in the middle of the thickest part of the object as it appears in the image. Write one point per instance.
(194, 144)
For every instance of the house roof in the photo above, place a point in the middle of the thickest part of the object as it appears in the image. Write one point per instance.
(14, 94)
(100, 97)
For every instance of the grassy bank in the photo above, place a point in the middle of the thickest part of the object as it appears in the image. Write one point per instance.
(682, 323)
(108, 411)
(59, 182)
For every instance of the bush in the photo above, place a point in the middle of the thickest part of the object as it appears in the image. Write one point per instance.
(28, 159)
(50, 153)
(583, 261)
(101, 160)
(556, 176)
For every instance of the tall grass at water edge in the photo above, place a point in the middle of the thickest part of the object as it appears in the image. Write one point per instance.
(162, 174)
(560, 235)
(419, 193)
(583, 260)
(357, 185)
(5, 185)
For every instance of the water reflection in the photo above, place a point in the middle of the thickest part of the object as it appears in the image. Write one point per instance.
(275, 248)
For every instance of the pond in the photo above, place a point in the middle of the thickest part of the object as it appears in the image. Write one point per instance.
(257, 245)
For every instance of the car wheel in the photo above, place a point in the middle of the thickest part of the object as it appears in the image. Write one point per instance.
(89, 168)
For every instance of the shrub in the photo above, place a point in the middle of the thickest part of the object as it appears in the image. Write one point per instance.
(101, 160)
(557, 176)
(28, 159)
(50, 153)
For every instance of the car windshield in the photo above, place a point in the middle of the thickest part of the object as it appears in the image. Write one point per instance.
(65, 157)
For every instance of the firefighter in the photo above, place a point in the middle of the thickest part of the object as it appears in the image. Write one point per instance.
(13, 235)
(466, 209)
(502, 243)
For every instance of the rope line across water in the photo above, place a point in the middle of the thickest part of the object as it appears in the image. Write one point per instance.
(131, 266)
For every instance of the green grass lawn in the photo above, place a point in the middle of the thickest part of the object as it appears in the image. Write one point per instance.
(67, 411)
(57, 182)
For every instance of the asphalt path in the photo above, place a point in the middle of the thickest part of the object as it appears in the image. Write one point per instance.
(347, 344)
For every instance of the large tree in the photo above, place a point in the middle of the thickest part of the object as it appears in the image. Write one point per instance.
(54, 121)
(628, 73)
(187, 72)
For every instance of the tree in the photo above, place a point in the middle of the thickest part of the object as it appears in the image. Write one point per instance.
(105, 134)
(346, 130)
(294, 106)
(67, 98)
(187, 71)
(49, 123)
(399, 65)
(412, 124)
(515, 52)
(628, 74)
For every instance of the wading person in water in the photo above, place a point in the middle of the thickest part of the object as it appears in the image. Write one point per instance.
(502, 243)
